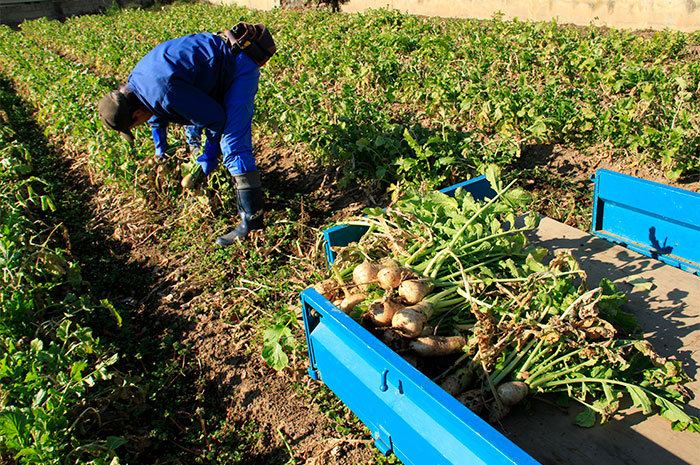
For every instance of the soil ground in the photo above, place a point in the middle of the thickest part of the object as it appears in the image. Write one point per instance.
(224, 360)
(237, 381)
(281, 410)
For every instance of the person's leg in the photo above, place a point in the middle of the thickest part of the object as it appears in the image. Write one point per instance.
(239, 160)
(249, 198)
(237, 151)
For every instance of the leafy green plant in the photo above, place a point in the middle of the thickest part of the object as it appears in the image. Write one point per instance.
(508, 318)
(276, 340)
(50, 361)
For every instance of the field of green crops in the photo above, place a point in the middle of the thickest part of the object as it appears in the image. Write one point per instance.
(109, 280)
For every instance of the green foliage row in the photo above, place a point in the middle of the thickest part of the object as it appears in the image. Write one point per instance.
(65, 93)
(469, 92)
(385, 95)
(50, 361)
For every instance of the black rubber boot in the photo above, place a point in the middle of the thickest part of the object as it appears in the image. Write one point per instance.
(250, 208)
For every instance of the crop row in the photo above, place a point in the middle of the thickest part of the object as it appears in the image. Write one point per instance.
(64, 93)
(52, 367)
(469, 92)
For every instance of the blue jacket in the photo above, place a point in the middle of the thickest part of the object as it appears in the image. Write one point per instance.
(186, 81)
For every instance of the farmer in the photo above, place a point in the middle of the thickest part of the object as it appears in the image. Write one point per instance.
(204, 81)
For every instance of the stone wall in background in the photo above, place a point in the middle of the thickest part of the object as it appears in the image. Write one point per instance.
(13, 12)
(681, 15)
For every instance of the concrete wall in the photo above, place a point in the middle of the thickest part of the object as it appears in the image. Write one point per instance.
(257, 4)
(681, 15)
(13, 12)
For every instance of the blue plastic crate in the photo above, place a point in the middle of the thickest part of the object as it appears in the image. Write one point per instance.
(653, 219)
(406, 412)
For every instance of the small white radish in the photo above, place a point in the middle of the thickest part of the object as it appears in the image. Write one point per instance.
(414, 290)
(365, 273)
(389, 278)
(381, 311)
(435, 346)
(512, 392)
(410, 321)
(473, 400)
(394, 340)
(458, 381)
(328, 288)
(348, 303)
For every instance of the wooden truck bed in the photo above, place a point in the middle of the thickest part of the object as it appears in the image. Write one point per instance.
(669, 314)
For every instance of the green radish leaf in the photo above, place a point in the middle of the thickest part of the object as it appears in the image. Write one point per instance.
(517, 197)
(493, 173)
(47, 203)
(76, 371)
(586, 419)
(640, 399)
(276, 340)
(113, 442)
(39, 398)
(676, 415)
(532, 220)
(13, 423)
(274, 356)
(674, 174)
(562, 400)
(534, 264)
(608, 392)
(112, 310)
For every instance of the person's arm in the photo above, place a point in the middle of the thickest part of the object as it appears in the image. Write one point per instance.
(159, 131)
(195, 106)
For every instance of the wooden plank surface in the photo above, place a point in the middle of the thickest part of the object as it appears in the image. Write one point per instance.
(669, 314)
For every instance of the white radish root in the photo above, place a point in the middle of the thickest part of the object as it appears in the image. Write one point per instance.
(473, 400)
(348, 303)
(414, 290)
(390, 277)
(512, 392)
(458, 381)
(365, 273)
(435, 346)
(497, 412)
(410, 321)
(381, 311)
(328, 288)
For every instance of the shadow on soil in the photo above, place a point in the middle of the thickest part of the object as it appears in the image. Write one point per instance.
(155, 399)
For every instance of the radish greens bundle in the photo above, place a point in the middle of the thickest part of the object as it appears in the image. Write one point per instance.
(435, 275)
